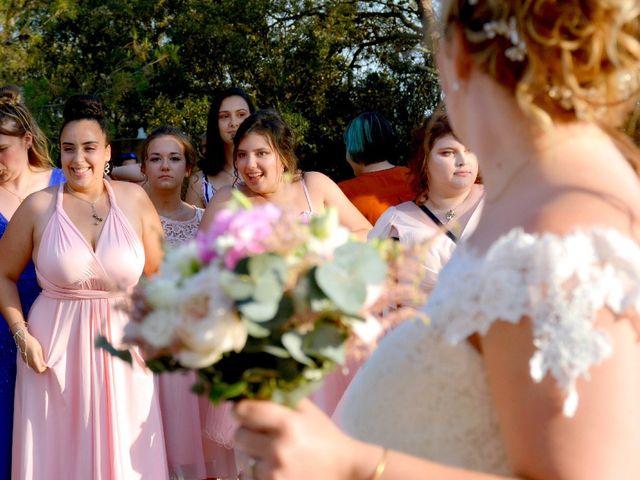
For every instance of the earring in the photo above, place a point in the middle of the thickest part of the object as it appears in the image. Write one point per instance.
(107, 168)
(455, 86)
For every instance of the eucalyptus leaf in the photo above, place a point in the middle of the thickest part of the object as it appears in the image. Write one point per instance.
(326, 341)
(102, 342)
(238, 287)
(347, 292)
(292, 341)
(362, 261)
(258, 312)
(267, 289)
(275, 351)
(268, 263)
(255, 330)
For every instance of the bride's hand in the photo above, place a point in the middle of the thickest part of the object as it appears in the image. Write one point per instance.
(290, 444)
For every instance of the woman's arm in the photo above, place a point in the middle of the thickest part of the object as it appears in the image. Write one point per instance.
(332, 195)
(217, 203)
(194, 191)
(303, 443)
(16, 246)
(128, 173)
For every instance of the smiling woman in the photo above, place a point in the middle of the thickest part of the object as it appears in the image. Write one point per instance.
(265, 160)
(90, 240)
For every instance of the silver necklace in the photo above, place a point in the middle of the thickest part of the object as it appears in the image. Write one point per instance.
(97, 219)
(451, 213)
(21, 199)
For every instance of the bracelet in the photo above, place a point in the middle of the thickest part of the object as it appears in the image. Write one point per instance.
(20, 336)
(382, 463)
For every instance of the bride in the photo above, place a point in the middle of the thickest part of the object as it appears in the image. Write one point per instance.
(549, 279)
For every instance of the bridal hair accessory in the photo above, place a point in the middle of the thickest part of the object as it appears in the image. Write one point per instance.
(508, 29)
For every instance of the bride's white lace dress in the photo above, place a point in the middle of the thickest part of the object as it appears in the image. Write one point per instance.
(424, 390)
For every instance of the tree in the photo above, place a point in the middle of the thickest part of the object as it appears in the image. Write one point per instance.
(153, 62)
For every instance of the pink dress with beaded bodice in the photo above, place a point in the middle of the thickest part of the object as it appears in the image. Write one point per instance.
(89, 415)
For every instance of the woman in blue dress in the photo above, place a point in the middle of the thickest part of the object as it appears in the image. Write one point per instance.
(25, 167)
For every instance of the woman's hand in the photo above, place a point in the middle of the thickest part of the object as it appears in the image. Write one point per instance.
(30, 350)
(290, 444)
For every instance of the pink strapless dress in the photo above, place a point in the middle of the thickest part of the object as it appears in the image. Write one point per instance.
(90, 415)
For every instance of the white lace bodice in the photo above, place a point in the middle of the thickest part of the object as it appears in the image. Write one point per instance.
(424, 390)
(559, 282)
(177, 232)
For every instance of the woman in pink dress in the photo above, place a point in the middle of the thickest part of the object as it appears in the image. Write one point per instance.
(192, 450)
(81, 413)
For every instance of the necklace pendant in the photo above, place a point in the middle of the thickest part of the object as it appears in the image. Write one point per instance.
(98, 220)
(450, 215)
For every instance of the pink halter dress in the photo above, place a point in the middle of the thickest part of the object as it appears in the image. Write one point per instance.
(89, 415)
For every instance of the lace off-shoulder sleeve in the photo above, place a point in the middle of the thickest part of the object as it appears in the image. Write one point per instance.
(559, 282)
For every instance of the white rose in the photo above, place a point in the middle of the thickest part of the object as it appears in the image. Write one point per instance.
(158, 328)
(209, 324)
(206, 340)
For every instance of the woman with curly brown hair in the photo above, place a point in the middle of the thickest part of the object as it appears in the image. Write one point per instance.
(549, 279)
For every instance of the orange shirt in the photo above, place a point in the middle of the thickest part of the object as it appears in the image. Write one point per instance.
(373, 192)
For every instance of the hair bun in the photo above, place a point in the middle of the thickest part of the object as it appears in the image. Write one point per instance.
(11, 94)
(83, 107)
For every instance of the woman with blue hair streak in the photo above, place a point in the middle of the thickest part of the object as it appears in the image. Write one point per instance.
(378, 183)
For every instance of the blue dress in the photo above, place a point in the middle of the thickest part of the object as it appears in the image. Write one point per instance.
(28, 290)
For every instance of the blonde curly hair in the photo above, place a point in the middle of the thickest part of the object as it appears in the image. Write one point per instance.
(581, 57)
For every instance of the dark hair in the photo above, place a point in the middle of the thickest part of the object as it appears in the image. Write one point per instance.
(16, 121)
(84, 107)
(424, 137)
(214, 160)
(179, 135)
(369, 138)
(279, 134)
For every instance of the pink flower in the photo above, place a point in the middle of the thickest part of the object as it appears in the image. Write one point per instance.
(235, 234)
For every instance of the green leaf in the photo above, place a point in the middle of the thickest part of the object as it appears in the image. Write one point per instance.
(255, 330)
(326, 341)
(267, 289)
(362, 261)
(238, 287)
(347, 292)
(268, 263)
(102, 342)
(292, 341)
(275, 351)
(258, 312)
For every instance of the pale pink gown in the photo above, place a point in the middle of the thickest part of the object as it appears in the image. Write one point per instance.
(193, 452)
(90, 415)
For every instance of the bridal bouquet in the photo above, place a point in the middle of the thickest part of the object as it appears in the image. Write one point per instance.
(263, 305)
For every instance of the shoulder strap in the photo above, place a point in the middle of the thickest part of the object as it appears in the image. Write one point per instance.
(306, 193)
(437, 221)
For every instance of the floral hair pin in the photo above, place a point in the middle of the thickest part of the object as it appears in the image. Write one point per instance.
(516, 53)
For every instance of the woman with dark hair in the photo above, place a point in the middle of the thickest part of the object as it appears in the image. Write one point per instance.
(80, 412)
(448, 202)
(25, 168)
(228, 110)
(371, 152)
(265, 160)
